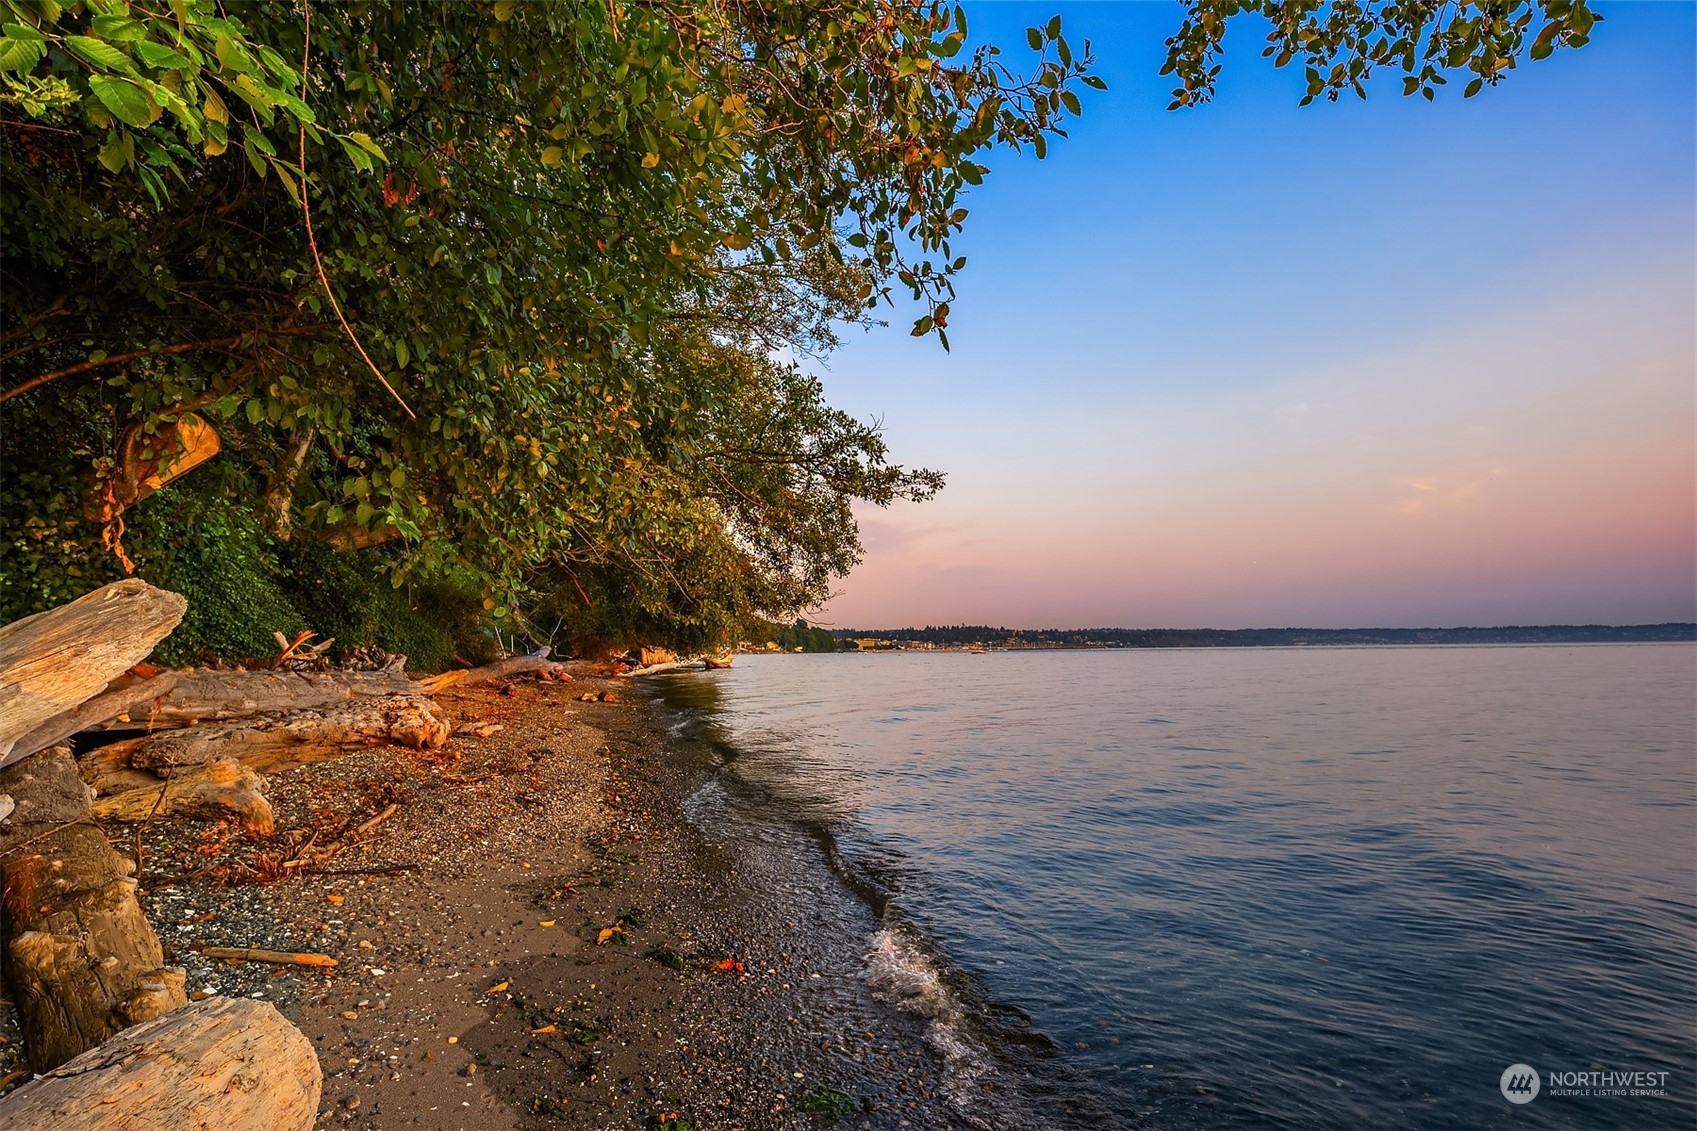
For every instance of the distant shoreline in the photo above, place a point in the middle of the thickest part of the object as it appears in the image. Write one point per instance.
(979, 637)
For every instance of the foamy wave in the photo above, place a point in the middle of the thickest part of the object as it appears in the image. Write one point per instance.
(901, 974)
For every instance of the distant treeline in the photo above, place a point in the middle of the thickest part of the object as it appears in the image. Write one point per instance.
(978, 634)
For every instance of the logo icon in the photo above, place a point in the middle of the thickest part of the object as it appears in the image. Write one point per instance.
(1519, 1084)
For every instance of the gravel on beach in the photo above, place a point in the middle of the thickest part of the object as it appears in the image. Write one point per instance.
(537, 937)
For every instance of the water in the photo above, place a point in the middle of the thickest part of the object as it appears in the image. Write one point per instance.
(1314, 888)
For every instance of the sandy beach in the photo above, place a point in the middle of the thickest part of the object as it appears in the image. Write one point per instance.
(536, 937)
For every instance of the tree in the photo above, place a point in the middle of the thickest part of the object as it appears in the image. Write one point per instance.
(510, 319)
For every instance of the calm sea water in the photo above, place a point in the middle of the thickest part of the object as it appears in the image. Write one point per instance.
(1316, 888)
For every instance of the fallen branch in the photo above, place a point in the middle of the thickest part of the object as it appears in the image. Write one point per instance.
(275, 957)
(389, 811)
(302, 860)
(536, 661)
(381, 870)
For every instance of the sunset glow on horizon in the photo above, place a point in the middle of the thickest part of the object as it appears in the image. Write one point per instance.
(1342, 366)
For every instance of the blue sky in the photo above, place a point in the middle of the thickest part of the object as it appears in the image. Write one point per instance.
(1385, 362)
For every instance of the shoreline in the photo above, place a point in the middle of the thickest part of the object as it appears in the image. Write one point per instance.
(473, 990)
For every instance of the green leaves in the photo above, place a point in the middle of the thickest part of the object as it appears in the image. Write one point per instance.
(159, 57)
(1341, 44)
(118, 29)
(21, 48)
(128, 102)
(98, 53)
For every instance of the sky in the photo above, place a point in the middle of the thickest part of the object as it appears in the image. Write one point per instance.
(1381, 363)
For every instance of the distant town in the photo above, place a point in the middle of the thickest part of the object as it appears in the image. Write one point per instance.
(970, 638)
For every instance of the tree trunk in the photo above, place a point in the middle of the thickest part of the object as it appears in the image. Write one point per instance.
(215, 789)
(279, 499)
(80, 958)
(210, 696)
(53, 661)
(279, 743)
(223, 1064)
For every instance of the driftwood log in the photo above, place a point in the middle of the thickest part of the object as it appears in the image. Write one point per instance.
(214, 696)
(536, 661)
(52, 662)
(213, 789)
(279, 743)
(117, 703)
(667, 666)
(223, 1064)
(79, 956)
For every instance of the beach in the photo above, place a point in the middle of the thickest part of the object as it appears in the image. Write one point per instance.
(538, 938)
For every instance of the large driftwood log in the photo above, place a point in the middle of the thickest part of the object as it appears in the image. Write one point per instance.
(53, 661)
(79, 955)
(117, 703)
(213, 697)
(214, 789)
(272, 744)
(536, 661)
(223, 1064)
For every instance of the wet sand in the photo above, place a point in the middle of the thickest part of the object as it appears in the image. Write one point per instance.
(558, 945)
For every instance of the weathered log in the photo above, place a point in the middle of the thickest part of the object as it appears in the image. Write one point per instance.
(536, 661)
(223, 1064)
(216, 788)
(116, 703)
(272, 744)
(214, 696)
(54, 661)
(79, 955)
(668, 666)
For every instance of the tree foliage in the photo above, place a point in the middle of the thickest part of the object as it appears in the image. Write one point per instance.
(510, 298)
(570, 237)
(1342, 42)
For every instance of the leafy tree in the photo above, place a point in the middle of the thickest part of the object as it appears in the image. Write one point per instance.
(512, 315)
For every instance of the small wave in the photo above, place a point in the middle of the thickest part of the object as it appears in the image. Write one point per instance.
(901, 974)
(705, 809)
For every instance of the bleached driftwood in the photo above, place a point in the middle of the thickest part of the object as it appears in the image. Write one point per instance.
(536, 661)
(668, 666)
(80, 957)
(215, 788)
(117, 703)
(279, 743)
(216, 696)
(223, 1064)
(52, 662)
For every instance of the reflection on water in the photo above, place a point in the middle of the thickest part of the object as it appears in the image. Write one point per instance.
(1303, 888)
